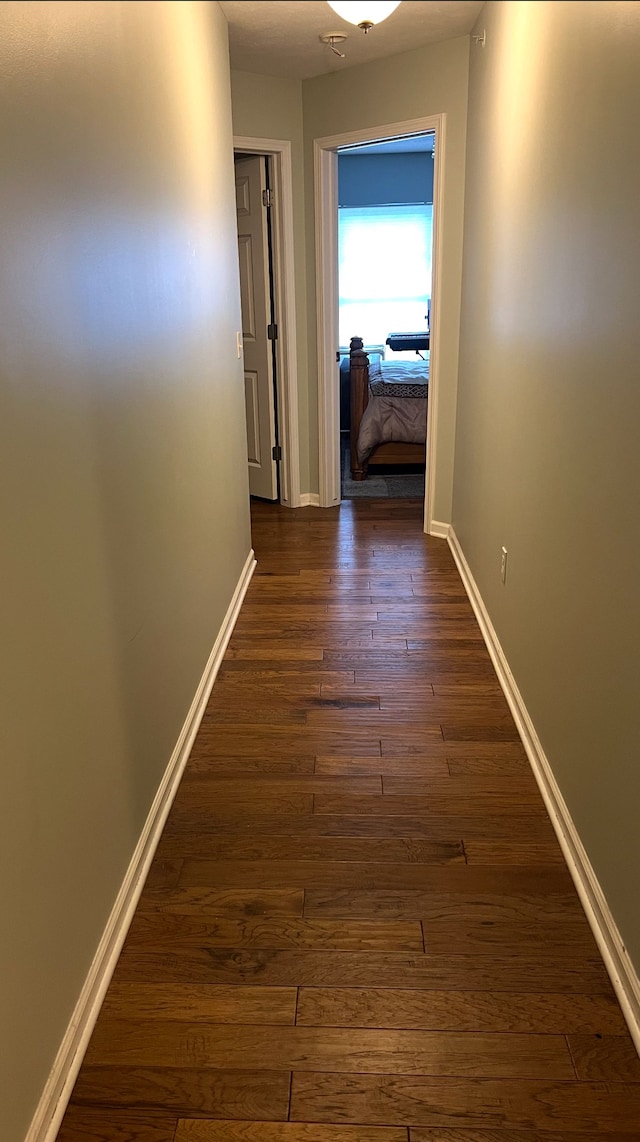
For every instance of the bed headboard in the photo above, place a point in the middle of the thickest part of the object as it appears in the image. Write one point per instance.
(359, 398)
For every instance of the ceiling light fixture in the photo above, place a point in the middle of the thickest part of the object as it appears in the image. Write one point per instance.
(366, 13)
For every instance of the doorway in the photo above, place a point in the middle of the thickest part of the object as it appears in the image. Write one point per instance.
(385, 215)
(276, 154)
(326, 152)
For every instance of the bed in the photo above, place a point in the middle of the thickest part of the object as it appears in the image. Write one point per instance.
(388, 411)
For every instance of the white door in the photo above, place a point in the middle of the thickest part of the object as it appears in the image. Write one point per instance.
(253, 252)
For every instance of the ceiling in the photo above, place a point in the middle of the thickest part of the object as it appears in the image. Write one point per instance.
(278, 37)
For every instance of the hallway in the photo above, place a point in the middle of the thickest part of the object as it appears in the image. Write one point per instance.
(358, 916)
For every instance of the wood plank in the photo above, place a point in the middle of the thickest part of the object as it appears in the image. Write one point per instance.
(285, 804)
(418, 690)
(315, 669)
(612, 1058)
(513, 852)
(496, 971)
(300, 579)
(521, 923)
(423, 611)
(549, 899)
(343, 700)
(106, 1124)
(453, 1134)
(422, 645)
(376, 722)
(186, 1091)
(411, 741)
(450, 654)
(418, 629)
(448, 680)
(300, 675)
(431, 656)
(432, 667)
(403, 879)
(286, 630)
(280, 682)
(377, 657)
(485, 709)
(435, 585)
(448, 605)
(242, 710)
(280, 590)
(201, 764)
(213, 789)
(445, 607)
(160, 930)
(599, 1108)
(418, 766)
(442, 800)
(549, 1014)
(440, 585)
(206, 1003)
(234, 902)
(450, 686)
(426, 766)
(199, 1130)
(431, 827)
(392, 850)
(334, 634)
(154, 1043)
(461, 730)
(489, 767)
(521, 790)
(298, 741)
(271, 654)
(450, 752)
(293, 609)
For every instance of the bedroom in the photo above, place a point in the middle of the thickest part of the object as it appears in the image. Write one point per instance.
(385, 209)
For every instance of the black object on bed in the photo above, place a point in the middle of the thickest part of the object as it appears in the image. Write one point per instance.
(405, 342)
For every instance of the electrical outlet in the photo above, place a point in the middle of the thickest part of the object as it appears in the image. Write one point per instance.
(239, 344)
(503, 565)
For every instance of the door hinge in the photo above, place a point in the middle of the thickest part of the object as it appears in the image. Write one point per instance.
(272, 332)
(267, 198)
(276, 452)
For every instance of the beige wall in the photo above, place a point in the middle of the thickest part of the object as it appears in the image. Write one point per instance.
(547, 456)
(265, 107)
(427, 81)
(124, 507)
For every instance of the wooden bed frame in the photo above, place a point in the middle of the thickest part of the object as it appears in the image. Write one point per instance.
(390, 453)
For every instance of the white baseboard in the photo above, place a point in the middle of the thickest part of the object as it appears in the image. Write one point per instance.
(53, 1102)
(622, 972)
(309, 500)
(439, 530)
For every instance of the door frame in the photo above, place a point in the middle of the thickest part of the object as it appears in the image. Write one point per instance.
(326, 247)
(279, 151)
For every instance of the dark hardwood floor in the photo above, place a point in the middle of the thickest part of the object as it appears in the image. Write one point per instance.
(358, 926)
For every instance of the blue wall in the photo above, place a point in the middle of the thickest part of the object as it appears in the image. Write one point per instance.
(384, 180)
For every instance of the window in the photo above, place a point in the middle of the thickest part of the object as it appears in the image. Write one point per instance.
(385, 270)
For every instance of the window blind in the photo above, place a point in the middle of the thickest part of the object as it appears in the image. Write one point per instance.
(384, 257)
